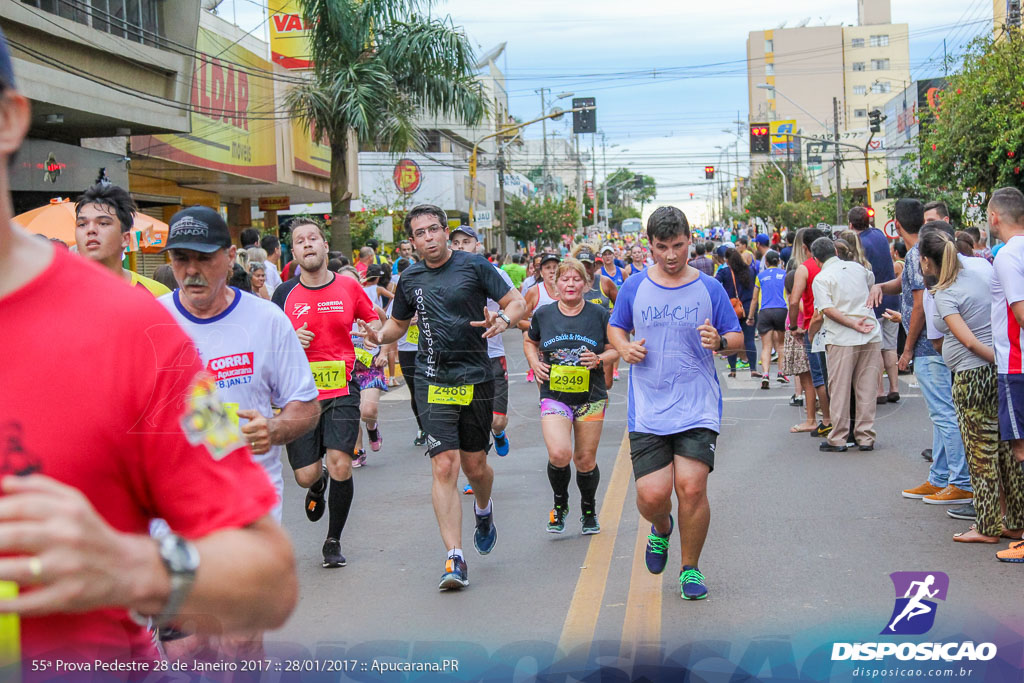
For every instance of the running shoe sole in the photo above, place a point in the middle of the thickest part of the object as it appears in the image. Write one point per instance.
(957, 515)
(330, 564)
(451, 582)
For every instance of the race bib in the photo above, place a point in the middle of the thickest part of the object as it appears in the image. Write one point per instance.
(231, 409)
(329, 374)
(364, 357)
(10, 628)
(413, 335)
(569, 378)
(451, 396)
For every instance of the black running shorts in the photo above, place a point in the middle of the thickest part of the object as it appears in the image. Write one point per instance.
(500, 370)
(451, 427)
(337, 430)
(652, 452)
(771, 320)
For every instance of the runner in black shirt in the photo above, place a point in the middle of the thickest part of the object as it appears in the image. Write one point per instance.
(448, 293)
(566, 347)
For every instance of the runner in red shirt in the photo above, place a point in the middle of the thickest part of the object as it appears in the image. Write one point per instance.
(106, 421)
(323, 308)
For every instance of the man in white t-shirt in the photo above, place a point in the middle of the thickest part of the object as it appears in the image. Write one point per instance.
(245, 342)
(272, 245)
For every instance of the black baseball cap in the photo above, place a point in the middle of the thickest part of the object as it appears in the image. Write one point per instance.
(465, 229)
(548, 256)
(585, 255)
(198, 228)
(6, 70)
(374, 270)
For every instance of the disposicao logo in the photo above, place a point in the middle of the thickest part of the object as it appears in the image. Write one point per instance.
(916, 592)
(912, 615)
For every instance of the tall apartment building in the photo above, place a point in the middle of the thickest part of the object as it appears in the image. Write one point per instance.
(794, 74)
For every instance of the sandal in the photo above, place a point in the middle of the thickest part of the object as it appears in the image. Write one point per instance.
(798, 429)
(978, 537)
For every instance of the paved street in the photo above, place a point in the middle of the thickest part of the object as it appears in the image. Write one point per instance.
(801, 543)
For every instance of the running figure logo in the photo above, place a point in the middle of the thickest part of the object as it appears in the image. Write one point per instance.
(914, 612)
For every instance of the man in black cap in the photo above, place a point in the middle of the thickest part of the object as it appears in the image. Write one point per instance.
(142, 434)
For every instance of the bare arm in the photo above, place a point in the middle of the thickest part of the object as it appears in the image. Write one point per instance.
(631, 352)
(799, 285)
(1017, 308)
(532, 352)
(514, 306)
(913, 329)
(530, 302)
(611, 289)
(864, 325)
(965, 336)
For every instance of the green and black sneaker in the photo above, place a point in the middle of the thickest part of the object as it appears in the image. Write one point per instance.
(590, 524)
(556, 521)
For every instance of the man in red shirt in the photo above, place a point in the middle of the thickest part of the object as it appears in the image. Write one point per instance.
(107, 421)
(322, 308)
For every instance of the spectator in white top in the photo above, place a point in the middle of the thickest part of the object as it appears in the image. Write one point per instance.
(853, 345)
(272, 245)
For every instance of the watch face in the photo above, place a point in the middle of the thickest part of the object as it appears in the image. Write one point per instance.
(180, 555)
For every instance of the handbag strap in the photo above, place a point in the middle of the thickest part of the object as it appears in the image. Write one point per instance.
(735, 289)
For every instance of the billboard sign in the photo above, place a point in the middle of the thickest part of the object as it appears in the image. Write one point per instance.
(781, 142)
(289, 35)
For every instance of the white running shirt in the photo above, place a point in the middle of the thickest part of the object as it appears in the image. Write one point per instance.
(1008, 288)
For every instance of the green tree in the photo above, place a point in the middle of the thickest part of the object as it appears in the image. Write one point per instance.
(620, 186)
(765, 199)
(540, 220)
(377, 65)
(974, 140)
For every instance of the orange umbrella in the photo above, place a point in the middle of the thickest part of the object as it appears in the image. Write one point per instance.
(57, 220)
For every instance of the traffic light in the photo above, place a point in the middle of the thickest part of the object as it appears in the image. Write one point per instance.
(875, 119)
(760, 142)
(709, 173)
(584, 121)
(638, 182)
(871, 214)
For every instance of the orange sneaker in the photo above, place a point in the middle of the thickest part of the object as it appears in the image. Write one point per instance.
(1015, 553)
(921, 491)
(949, 495)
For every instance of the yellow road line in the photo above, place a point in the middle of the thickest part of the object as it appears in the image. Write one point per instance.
(642, 623)
(581, 620)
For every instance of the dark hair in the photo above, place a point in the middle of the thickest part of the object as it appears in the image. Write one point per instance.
(790, 237)
(239, 278)
(975, 233)
(858, 218)
(250, 237)
(772, 258)
(165, 276)
(709, 247)
(810, 236)
(270, 243)
(937, 206)
(739, 268)
(698, 248)
(900, 247)
(402, 263)
(743, 239)
(941, 226)
(113, 197)
(790, 279)
(965, 243)
(938, 246)
(1008, 202)
(667, 222)
(305, 220)
(424, 210)
(909, 213)
(335, 264)
(823, 249)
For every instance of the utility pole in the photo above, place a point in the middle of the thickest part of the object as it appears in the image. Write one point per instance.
(604, 185)
(839, 162)
(501, 197)
(579, 185)
(593, 183)
(544, 133)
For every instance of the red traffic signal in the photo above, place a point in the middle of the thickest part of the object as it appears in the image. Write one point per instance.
(709, 172)
(871, 212)
(760, 143)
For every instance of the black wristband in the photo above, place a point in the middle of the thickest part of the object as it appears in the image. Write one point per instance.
(721, 343)
(793, 328)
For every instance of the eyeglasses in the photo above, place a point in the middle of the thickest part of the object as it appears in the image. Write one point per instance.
(432, 229)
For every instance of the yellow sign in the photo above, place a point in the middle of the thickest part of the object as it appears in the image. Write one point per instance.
(407, 176)
(310, 152)
(452, 396)
(232, 114)
(570, 379)
(289, 35)
(780, 139)
(329, 374)
(275, 203)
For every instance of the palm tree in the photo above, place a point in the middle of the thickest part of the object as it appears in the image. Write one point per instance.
(377, 65)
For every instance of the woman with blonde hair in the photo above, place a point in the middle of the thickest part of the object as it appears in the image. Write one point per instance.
(566, 346)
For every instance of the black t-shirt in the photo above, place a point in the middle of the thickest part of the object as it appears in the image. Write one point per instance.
(563, 339)
(447, 299)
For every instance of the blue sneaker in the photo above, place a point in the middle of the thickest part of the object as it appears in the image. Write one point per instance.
(456, 574)
(501, 444)
(691, 584)
(485, 535)
(657, 548)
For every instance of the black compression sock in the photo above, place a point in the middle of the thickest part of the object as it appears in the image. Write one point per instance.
(560, 478)
(339, 500)
(587, 483)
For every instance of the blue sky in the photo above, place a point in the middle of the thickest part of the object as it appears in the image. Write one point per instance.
(668, 75)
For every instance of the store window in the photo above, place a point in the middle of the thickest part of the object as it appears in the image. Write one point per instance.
(137, 20)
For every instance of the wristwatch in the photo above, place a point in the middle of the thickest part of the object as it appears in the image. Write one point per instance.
(721, 343)
(508, 321)
(793, 328)
(181, 559)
